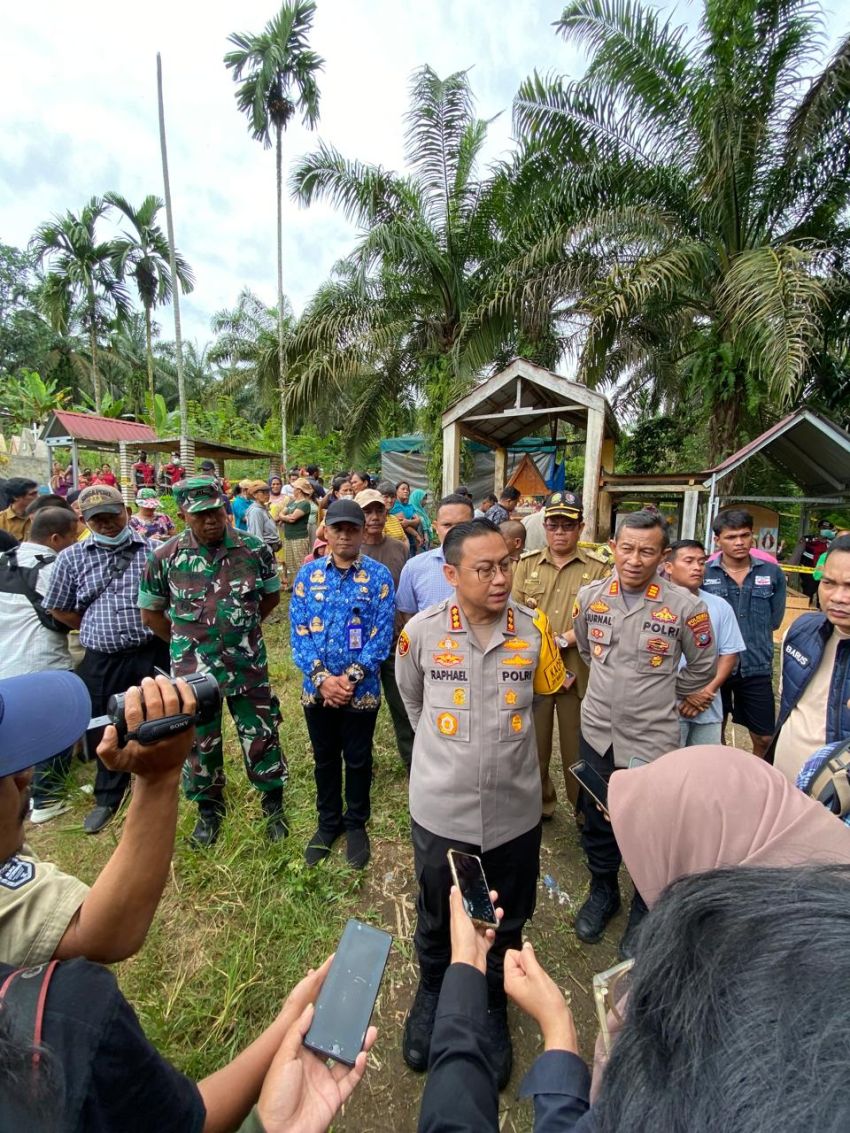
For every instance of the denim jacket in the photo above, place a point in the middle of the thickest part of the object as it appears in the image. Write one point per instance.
(759, 605)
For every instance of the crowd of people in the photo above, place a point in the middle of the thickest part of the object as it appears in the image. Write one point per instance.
(643, 655)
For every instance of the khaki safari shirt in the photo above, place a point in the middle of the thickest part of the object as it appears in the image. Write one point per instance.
(541, 585)
(212, 596)
(632, 696)
(17, 525)
(37, 903)
(475, 775)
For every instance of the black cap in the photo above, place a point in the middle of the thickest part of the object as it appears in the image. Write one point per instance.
(344, 511)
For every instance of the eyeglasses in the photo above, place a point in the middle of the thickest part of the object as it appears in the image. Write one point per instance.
(560, 525)
(609, 989)
(488, 573)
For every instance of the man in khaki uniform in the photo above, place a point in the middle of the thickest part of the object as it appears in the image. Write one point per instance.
(468, 669)
(631, 630)
(550, 580)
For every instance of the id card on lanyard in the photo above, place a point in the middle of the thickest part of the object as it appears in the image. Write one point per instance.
(355, 631)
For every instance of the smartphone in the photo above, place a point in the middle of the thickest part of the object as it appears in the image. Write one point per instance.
(468, 874)
(638, 761)
(592, 782)
(348, 995)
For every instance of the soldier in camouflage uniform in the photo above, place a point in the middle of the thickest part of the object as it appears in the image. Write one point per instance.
(206, 592)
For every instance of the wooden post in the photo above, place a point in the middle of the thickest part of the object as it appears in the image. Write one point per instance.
(125, 475)
(451, 458)
(592, 471)
(500, 473)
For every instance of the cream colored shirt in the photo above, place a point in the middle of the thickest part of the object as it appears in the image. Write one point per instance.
(37, 903)
(805, 729)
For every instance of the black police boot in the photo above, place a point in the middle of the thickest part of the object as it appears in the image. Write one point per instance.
(276, 825)
(501, 1049)
(628, 941)
(416, 1044)
(601, 905)
(208, 826)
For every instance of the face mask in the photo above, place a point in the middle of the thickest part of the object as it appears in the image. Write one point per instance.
(111, 540)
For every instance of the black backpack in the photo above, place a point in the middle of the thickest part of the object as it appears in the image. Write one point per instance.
(16, 579)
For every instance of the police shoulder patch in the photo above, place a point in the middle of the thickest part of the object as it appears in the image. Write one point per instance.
(16, 872)
(403, 643)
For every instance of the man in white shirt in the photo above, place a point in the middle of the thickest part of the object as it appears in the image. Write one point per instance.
(31, 644)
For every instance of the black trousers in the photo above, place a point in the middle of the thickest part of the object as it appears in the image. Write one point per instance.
(341, 736)
(398, 713)
(511, 869)
(105, 674)
(597, 834)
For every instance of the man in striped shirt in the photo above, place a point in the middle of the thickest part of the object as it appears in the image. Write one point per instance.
(94, 588)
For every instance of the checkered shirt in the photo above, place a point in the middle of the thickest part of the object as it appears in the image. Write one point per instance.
(112, 622)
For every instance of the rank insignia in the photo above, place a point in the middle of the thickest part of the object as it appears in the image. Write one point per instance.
(447, 724)
(658, 645)
(361, 576)
(448, 659)
(403, 643)
(653, 590)
(515, 643)
(655, 661)
(384, 591)
(454, 618)
(299, 589)
(316, 625)
(665, 614)
(301, 630)
(597, 651)
(516, 722)
(448, 643)
(597, 633)
(459, 696)
(599, 607)
(511, 697)
(510, 622)
(317, 576)
(614, 588)
(517, 659)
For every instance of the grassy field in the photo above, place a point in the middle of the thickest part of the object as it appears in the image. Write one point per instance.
(239, 925)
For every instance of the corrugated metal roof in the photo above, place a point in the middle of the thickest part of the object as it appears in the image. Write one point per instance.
(90, 427)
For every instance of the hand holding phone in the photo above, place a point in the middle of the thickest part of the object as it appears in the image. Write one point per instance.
(468, 874)
(470, 942)
(593, 783)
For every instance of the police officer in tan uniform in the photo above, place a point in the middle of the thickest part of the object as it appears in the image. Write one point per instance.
(468, 669)
(550, 580)
(631, 630)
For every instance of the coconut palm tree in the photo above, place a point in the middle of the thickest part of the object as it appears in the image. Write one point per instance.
(277, 73)
(80, 271)
(142, 255)
(693, 238)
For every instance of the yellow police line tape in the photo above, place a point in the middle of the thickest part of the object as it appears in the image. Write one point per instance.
(605, 550)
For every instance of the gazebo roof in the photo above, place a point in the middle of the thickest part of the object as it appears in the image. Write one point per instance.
(522, 399)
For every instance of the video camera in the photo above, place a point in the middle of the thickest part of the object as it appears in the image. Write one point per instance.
(207, 695)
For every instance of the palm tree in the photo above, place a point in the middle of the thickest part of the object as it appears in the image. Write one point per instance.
(383, 330)
(81, 270)
(143, 256)
(279, 82)
(695, 234)
(247, 347)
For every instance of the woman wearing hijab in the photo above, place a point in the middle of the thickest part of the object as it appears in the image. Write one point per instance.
(276, 496)
(417, 501)
(693, 810)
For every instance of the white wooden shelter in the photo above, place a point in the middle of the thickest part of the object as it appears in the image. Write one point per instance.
(525, 398)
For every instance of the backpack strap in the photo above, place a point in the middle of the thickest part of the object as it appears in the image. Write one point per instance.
(25, 990)
(15, 579)
(831, 781)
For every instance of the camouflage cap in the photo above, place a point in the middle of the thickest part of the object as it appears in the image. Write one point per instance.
(101, 499)
(198, 493)
(563, 503)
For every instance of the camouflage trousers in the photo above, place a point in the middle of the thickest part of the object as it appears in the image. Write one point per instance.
(256, 714)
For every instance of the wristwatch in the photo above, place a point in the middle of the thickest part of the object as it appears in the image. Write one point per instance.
(355, 672)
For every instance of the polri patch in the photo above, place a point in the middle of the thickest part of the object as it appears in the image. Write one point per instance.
(665, 614)
(16, 872)
(403, 644)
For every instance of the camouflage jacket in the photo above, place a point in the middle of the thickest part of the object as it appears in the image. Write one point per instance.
(212, 596)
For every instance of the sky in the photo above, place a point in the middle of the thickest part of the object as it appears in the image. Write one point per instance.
(78, 90)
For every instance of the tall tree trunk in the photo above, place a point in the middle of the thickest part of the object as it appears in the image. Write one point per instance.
(149, 353)
(95, 373)
(178, 334)
(281, 360)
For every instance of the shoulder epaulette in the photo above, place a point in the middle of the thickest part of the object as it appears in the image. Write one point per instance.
(528, 554)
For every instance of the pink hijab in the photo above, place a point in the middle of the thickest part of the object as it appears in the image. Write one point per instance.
(709, 807)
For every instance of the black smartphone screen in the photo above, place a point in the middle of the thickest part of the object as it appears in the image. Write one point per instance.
(592, 782)
(473, 887)
(348, 995)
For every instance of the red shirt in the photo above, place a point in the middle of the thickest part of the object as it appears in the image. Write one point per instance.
(174, 472)
(145, 471)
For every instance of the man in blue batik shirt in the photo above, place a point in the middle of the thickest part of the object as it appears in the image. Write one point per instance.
(341, 615)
